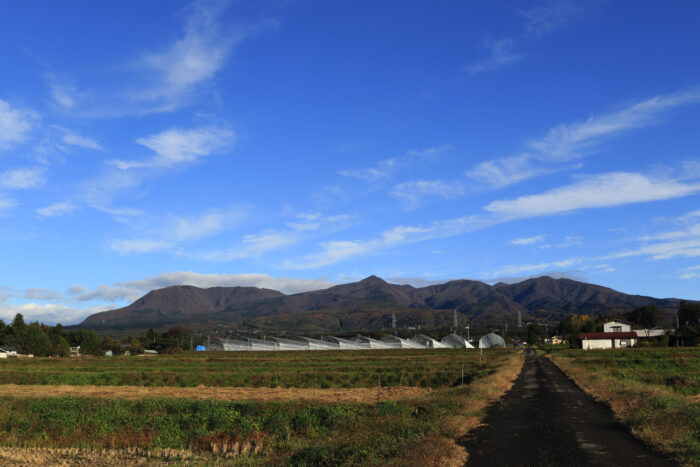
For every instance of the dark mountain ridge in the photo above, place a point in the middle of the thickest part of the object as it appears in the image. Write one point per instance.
(368, 303)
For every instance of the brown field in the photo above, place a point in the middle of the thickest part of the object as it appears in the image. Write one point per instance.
(365, 395)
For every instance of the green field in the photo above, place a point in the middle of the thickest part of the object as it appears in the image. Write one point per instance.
(434, 368)
(296, 432)
(675, 368)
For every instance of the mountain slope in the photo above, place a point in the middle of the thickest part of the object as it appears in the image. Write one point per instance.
(179, 302)
(369, 304)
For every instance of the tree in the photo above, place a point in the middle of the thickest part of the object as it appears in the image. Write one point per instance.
(689, 313)
(572, 326)
(36, 341)
(534, 334)
(646, 316)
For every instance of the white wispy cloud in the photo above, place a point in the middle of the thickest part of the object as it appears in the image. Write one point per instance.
(539, 20)
(500, 53)
(411, 193)
(692, 272)
(666, 245)
(6, 203)
(26, 178)
(598, 191)
(15, 125)
(175, 230)
(138, 245)
(207, 224)
(191, 61)
(605, 190)
(305, 226)
(63, 96)
(571, 142)
(176, 146)
(338, 250)
(57, 209)
(386, 168)
(527, 240)
(74, 139)
(42, 294)
(520, 269)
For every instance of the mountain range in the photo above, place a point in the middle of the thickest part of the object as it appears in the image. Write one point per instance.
(369, 305)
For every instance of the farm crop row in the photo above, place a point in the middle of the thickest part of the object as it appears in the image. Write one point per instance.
(248, 432)
(435, 368)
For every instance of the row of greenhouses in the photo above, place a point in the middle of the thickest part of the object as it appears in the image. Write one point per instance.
(359, 342)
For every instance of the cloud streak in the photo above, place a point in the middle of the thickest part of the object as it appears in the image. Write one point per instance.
(568, 143)
(540, 20)
(15, 125)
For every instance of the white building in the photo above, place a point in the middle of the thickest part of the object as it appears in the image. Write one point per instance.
(608, 340)
(617, 326)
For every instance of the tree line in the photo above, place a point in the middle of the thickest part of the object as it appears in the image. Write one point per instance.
(43, 340)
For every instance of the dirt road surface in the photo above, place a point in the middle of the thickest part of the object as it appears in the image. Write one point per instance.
(546, 420)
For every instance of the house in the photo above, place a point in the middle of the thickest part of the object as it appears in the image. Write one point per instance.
(75, 351)
(555, 340)
(617, 326)
(7, 351)
(608, 340)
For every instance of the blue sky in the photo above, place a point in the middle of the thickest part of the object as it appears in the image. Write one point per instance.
(298, 144)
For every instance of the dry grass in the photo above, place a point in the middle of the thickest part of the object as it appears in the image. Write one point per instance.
(60, 457)
(365, 395)
(447, 451)
(658, 416)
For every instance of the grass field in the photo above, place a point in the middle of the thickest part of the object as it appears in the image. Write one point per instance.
(379, 427)
(327, 369)
(655, 391)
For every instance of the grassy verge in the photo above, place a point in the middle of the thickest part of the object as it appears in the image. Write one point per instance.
(421, 430)
(664, 416)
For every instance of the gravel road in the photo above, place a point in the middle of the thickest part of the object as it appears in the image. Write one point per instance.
(546, 420)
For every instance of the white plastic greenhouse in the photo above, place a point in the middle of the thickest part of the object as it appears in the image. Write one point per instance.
(359, 342)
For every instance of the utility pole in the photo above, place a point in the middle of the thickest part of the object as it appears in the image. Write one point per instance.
(467, 326)
(454, 319)
(393, 321)
(520, 320)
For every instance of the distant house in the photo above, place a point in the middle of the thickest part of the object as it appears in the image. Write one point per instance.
(7, 351)
(617, 326)
(555, 340)
(75, 351)
(608, 340)
(150, 352)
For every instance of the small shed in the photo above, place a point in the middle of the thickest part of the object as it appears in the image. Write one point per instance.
(608, 340)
